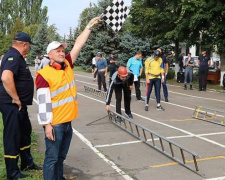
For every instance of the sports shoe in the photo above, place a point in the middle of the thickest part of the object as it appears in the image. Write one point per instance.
(141, 99)
(118, 119)
(130, 116)
(160, 108)
(146, 107)
(166, 100)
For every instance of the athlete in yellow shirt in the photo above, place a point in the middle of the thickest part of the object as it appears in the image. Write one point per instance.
(154, 73)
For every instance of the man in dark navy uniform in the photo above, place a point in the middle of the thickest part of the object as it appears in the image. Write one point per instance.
(112, 66)
(16, 92)
(204, 63)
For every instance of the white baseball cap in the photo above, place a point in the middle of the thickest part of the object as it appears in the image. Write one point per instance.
(54, 45)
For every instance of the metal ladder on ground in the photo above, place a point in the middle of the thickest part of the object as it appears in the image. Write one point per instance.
(165, 146)
(172, 150)
(210, 115)
(95, 92)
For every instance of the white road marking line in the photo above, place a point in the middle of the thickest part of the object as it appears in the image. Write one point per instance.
(217, 178)
(112, 164)
(211, 90)
(88, 143)
(196, 96)
(171, 137)
(164, 124)
(133, 142)
(185, 107)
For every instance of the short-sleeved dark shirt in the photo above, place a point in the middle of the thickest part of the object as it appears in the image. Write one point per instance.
(165, 61)
(112, 65)
(14, 62)
(204, 60)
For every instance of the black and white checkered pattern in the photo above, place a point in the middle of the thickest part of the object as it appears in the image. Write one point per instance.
(44, 106)
(116, 14)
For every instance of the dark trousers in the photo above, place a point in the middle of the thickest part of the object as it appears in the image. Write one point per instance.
(203, 74)
(156, 82)
(112, 70)
(137, 88)
(101, 81)
(16, 138)
(165, 91)
(181, 66)
(127, 98)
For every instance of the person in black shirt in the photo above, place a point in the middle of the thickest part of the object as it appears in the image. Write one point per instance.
(16, 92)
(112, 66)
(121, 80)
(204, 63)
(180, 62)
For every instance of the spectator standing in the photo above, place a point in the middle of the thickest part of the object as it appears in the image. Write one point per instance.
(154, 73)
(57, 102)
(166, 69)
(101, 67)
(44, 62)
(37, 62)
(134, 64)
(16, 93)
(181, 62)
(94, 60)
(112, 66)
(204, 63)
(121, 80)
(189, 65)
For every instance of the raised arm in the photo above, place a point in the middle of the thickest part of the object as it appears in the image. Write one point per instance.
(82, 38)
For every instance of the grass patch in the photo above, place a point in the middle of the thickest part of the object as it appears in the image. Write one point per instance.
(78, 68)
(38, 157)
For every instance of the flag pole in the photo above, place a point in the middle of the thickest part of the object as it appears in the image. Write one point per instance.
(101, 16)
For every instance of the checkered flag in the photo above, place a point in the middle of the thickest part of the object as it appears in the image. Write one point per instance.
(116, 14)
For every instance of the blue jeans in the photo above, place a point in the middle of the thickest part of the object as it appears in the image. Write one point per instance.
(156, 82)
(56, 151)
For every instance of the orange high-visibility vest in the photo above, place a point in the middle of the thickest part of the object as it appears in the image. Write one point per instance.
(63, 93)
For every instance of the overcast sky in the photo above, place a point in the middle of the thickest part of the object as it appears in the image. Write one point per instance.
(65, 14)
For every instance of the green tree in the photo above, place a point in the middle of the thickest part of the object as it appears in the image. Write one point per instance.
(18, 27)
(41, 40)
(159, 20)
(52, 33)
(31, 30)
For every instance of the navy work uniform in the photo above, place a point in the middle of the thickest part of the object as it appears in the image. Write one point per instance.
(17, 126)
(203, 71)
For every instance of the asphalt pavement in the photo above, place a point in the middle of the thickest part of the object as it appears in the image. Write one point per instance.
(101, 151)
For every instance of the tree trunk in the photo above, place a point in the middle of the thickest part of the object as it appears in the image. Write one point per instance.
(176, 50)
(222, 61)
